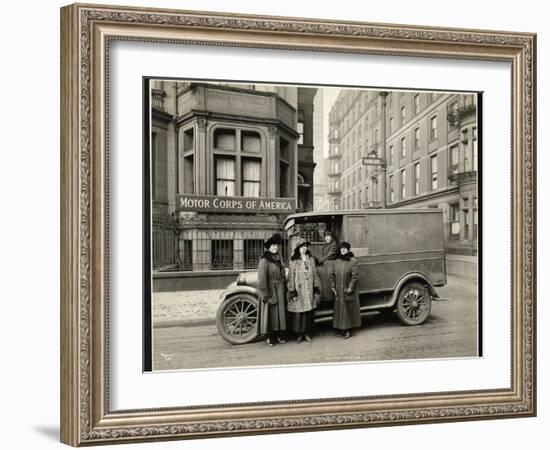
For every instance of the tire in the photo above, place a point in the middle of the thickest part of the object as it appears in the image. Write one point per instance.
(413, 304)
(237, 319)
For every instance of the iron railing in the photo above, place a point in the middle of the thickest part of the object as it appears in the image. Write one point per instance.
(182, 246)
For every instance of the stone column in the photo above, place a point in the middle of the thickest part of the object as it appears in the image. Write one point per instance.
(202, 154)
(272, 162)
(470, 216)
(461, 219)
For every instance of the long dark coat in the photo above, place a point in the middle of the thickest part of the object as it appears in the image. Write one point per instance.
(271, 275)
(329, 252)
(344, 275)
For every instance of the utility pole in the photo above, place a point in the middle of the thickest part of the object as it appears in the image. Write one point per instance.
(383, 167)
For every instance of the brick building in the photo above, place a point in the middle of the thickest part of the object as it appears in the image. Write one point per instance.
(427, 147)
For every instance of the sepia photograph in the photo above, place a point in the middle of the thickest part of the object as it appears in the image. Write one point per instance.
(307, 224)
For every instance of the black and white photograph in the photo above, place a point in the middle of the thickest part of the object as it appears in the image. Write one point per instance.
(307, 224)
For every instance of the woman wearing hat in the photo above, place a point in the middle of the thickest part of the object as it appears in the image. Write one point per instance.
(303, 290)
(271, 274)
(329, 252)
(343, 280)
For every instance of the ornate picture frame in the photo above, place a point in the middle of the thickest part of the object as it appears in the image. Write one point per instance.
(86, 34)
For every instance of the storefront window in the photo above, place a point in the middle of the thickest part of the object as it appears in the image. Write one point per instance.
(253, 250)
(222, 254)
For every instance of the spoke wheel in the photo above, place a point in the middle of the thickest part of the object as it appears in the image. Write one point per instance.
(413, 304)
(237, 319)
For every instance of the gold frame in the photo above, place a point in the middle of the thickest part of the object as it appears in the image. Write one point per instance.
(86, 31)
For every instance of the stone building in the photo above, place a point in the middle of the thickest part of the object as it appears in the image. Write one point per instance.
(426, 152)
(228, 163)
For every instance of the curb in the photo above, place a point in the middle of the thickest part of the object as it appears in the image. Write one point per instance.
(184, 323)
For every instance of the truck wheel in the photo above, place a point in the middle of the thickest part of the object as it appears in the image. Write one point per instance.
(237, 319)
(413, 304)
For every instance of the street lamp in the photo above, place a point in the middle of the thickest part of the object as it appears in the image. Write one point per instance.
(373, 160)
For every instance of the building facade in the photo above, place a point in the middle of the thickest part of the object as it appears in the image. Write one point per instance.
(421, 151)
(229, 162)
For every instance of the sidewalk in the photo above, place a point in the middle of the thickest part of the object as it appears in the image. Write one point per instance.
(188, 308)
(185, 308)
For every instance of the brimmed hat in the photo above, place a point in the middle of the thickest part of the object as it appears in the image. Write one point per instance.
(344, 244)
(330, 233)
(301, 241)
(274, 239)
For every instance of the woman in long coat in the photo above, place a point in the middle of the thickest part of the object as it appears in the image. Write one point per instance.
(329, 252)
(271, 274)
(343, 281)
(303, 290)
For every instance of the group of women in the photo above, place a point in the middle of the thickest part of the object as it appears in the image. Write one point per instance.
(288, 303)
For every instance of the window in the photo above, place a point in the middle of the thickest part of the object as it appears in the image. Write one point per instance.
(467, 162)
(250, 142)
(455, 220)
(188, 175)
(225, 176)
(392, 194)
(433, 96)
(390, 124)
(417, 179)
(253, 250)
(403, 184)
(433, 171)
(453, 157)
(465, 136)
(433, 128)
(403, 147)
(417, 103)
(284, 179)
(222, 254)
(474, 148)
(224, 139)
(336, 134)
(392, 154)
(300, 130)
(416, 138)
(251, 177)
(188, 139)
(403, 114)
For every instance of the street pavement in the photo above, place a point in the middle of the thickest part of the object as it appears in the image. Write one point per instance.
(192, 341)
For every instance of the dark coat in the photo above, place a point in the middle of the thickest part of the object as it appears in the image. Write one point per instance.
(271, 275)
(344, 275)
(303, 279)
(329, 252)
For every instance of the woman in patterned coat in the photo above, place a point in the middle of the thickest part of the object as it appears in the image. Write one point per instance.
(271, 274)
(343, 281)
(303, 290)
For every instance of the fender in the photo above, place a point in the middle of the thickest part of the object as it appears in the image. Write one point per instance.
(233, 289)
(416, 276)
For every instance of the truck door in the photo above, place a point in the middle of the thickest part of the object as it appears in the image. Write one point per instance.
(357, 234)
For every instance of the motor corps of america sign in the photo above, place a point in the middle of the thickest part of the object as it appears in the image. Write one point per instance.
(211, 203)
